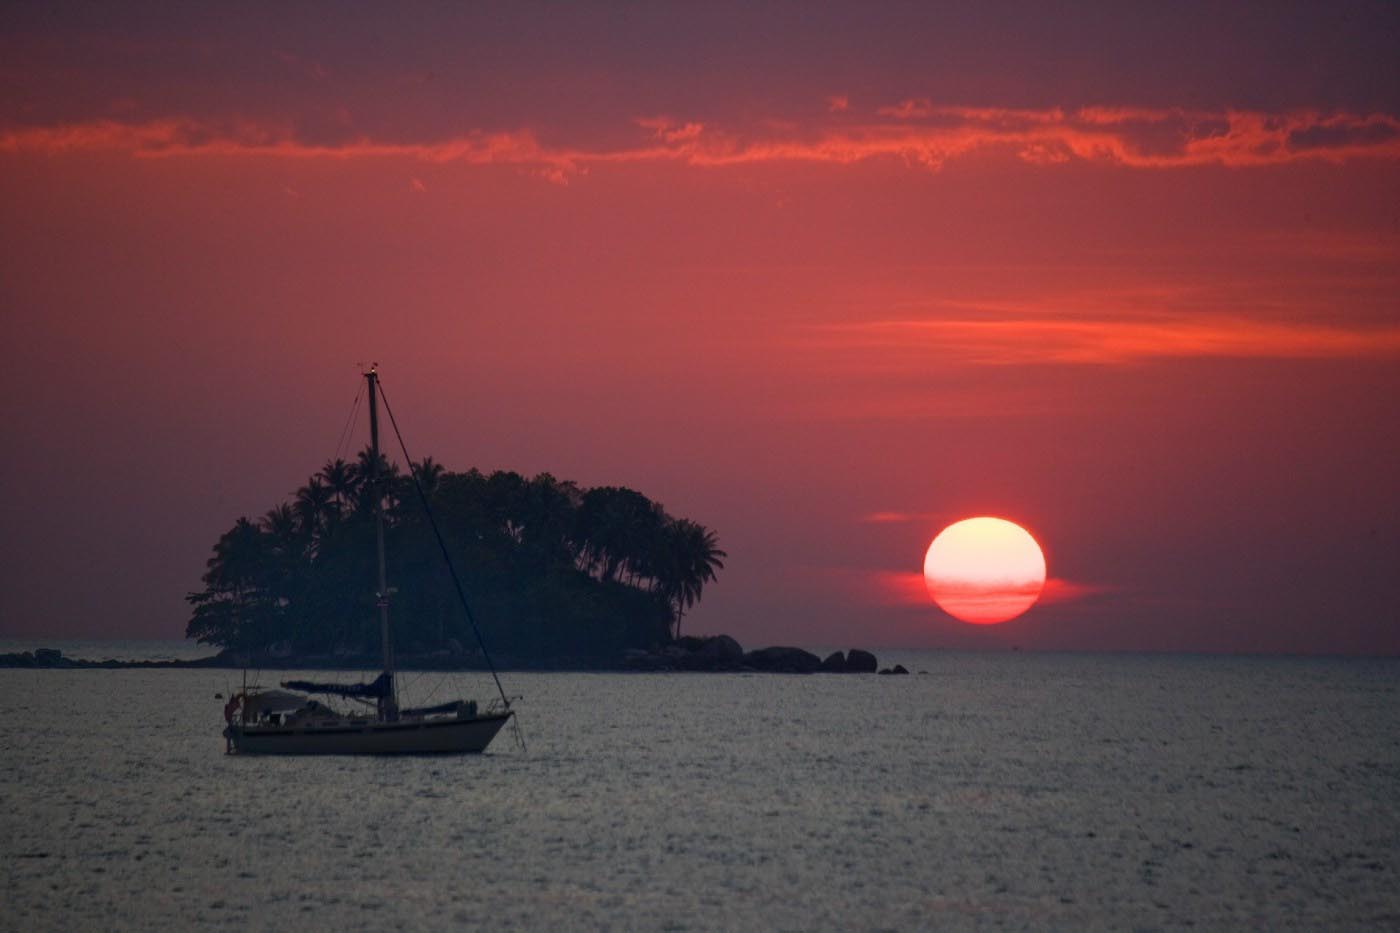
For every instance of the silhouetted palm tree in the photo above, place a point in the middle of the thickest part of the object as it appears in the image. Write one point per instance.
(692, 557)
(386, 474)
(282, 523)
(342, 479)
(239, 558)
(315, 504)
(236, 608)
(429, 473)
(545, 511)
(505, 497)
(617, 529)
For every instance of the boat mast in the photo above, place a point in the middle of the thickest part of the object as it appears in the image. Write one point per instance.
(389, 704)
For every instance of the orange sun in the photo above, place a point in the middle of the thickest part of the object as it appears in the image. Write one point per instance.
(984, 570)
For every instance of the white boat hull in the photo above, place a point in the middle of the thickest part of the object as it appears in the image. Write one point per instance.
(425, 737)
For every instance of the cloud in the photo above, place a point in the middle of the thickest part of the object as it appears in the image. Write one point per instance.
(838, 103)
(173, 138)
(667, 130)
(1029, 339)
(898, 518)
(1058, 591)
(892, 588)
(887, 518)
(1341, 135)
(907, 588)
(907, 110)
(915, 132)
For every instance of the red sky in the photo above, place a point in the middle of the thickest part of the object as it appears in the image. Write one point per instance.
(822, 277)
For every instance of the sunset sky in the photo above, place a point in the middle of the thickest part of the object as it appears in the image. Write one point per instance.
(824, 277)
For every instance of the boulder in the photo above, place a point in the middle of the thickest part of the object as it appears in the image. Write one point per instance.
(721, 648)
(783, 660)
(689, 643)
(719, 653)
(898, 669)
(860, 662)
(835, 663)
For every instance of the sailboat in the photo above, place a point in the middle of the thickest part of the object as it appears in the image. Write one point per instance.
(282, 722)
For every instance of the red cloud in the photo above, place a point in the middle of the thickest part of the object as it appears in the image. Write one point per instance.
(888, 518)
(667, 130)
(916, 132)
(1022, 339)
(907, 110)
(1067, 591)
(896, 588)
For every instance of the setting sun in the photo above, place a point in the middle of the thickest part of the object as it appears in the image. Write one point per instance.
(984, 570)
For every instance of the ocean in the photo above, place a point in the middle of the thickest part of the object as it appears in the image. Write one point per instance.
(984, 791)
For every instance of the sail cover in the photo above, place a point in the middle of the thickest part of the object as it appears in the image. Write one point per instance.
(381, 686)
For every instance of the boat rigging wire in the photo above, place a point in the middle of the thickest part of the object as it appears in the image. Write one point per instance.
(442, 545)
(342, 447)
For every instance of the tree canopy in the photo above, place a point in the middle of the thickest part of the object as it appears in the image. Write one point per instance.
(551, 569)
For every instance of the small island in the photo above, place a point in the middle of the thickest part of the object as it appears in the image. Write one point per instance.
(561, 577)
(554, 572)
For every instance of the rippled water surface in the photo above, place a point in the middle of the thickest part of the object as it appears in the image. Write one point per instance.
(1020, 791)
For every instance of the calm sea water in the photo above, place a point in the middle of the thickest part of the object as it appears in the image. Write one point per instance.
(994, 791)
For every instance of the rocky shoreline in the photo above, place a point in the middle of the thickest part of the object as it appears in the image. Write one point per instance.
(722, 653)
(717, 653)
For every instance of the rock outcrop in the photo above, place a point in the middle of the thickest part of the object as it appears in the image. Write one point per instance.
(715, 653)
(720, 653)
(861, 662)
(783, 659)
